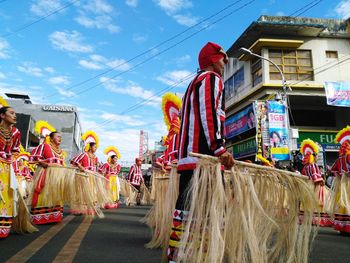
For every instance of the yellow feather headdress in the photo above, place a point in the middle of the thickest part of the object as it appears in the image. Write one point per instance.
(343, 135)
(88, 137)
(171, 106)
(43, 128)
(110, 151)
(3, 102)
(308, 147)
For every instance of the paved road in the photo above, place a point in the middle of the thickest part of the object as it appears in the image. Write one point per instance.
(120, 237)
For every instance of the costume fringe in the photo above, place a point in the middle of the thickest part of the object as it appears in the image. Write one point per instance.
(339, 194)
(146, 195)
(128, 192)
(21, 223)
(155, 174)
(251, 217)
(156, 215)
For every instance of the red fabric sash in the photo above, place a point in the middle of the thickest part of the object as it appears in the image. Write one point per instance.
(39, 187)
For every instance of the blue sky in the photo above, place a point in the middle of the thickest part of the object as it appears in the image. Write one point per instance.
(114, 59)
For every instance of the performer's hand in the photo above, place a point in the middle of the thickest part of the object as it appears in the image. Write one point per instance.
(44, 165)
(227, 160)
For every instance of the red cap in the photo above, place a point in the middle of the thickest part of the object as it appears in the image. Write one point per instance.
(210, 54)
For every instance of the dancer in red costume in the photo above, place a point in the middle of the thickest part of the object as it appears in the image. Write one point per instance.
(110, 170)
(341, 183)
(135, 178)
(46, 155)
(309, 149)
(9, 145)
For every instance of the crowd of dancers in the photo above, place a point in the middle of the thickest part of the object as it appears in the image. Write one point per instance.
(206, 205)
(35, 186)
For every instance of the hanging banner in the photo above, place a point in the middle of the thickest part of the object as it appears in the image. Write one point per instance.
(278, 131)
(262, 135)
(338, 93)
(240, 122)
(244, 148)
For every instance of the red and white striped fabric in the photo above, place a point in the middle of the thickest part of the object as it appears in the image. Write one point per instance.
(84, 160)
(107, 169)
(202, 119)
(45, 153)
(342, 164)
(313, 172)
(135, 175)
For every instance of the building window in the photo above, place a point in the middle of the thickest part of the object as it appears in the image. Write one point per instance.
(295, 64)
(228, 88)
(331, 54)
(238, 78)
(256, 71)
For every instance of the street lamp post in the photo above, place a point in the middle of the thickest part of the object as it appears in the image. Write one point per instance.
(284, 83)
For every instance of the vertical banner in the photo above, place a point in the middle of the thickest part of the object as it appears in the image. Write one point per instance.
(262, 134)
(338, 93)
(278, 130)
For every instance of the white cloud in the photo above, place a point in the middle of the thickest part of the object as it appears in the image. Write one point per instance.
(343, 9)
(69, 41)
(49, 69)
(45, 7)
(65, 93)
(124, 119)
(186, 20)
(175, 77)
(30, 69)
(137, 38)
(98, 14)
(132, 89)
(173, 6)
(280, 13)
(97, 62)
(132, 3)
(2, 75)
(4, 49)
(59, 80)
(90, 65)
(98, 7)
(99, 22)
(34, 94)
(119, 64)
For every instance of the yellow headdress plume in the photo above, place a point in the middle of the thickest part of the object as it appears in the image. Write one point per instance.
(110, 151)
(3, 102)
(343, 137)
(44, 129)
(308, 147)
(171, 105)
(88, 137)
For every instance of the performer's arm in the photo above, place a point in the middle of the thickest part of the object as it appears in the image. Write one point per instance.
(131, 172)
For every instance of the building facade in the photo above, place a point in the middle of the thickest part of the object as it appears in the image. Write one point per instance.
(309, 52)
(64, 118)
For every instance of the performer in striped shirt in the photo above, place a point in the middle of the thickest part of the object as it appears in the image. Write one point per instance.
(135, 178)
(201, 129)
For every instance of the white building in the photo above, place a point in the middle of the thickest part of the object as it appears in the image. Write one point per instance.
(309, 52)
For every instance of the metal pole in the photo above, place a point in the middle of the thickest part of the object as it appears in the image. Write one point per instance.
(284, 83)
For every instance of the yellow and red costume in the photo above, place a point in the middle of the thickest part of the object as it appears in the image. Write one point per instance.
(89, 162)
(9, 145)
(42, 212)
(309, 149)
(341, 182)
(111, 170)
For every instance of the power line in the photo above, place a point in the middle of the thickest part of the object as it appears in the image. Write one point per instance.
(150, 49)
(39, 20)
(307, 9)
(302, 8)
(167, 49)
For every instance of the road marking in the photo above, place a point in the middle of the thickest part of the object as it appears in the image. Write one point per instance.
(70, 249)
(27, 252)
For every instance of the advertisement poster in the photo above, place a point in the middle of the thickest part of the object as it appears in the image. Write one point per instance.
(338, 93)
(262, 135)
(240, 122)
(278, 131)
